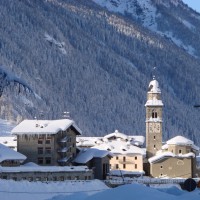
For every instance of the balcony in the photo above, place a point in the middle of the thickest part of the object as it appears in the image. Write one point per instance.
(64, 160)
(65, 139)
(64, 150)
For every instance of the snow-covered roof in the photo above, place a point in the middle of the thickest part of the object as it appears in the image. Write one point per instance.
(162, 155)
(116, 134)
(7, 153)
(180, 140)
(154, 87)
(165, 146)
(88, 141)
(154, 102)
(86, 155)
(44, 126)
(37, 168)
(120, 147)
(136, 140)
(9, 141)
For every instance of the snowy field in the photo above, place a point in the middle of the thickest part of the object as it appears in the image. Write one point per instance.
(90, 190)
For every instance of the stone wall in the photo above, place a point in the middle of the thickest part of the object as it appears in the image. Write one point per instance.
(172, 167)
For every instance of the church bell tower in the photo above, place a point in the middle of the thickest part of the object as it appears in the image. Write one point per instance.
(154, 108)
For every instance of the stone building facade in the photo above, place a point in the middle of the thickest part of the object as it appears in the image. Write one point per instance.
(47, 142)
(172, 167)
(154, 107)
(174, 159)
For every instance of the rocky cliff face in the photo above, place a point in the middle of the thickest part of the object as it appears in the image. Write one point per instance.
(95, 60)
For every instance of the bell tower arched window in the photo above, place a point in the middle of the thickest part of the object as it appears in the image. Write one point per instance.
(154, 114)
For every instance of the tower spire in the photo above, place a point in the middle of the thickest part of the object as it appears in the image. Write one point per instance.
(154, 73)
(153, 119)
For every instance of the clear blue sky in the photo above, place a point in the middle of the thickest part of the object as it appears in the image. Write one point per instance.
(195, 4)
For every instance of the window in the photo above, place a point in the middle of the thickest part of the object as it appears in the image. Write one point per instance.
(135, 166)
(62, 178)
(124, 166)
(4, 177)
(154, 146)
(180, 151)
(48, 160)
(154, 137)
(124, 159)
(40, 160)
(117, 157)
(40, 141)
(154, 114)
(135, 157)
(161, 174)
(48, 137)
(117, 166)
(40, 150)
(48, 150)
(48, 141)
(161, 167)
(54, 178)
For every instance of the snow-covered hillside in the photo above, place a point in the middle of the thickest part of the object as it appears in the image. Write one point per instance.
(5, 127)
(149, 14)
(142, 10)
(96, 63)
(90, 190)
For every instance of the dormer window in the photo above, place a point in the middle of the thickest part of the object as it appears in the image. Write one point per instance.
(154, 114)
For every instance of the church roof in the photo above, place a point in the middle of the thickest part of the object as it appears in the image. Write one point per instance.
(167, 154)
(154, 87)
(180, 140)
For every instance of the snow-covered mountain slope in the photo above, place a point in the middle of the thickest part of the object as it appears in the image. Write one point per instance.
(78, 56)
(152, 14)
(5, 127)
(141, 10)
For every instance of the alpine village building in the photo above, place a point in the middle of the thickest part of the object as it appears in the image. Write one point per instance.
(177, 158)
(49, 150)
